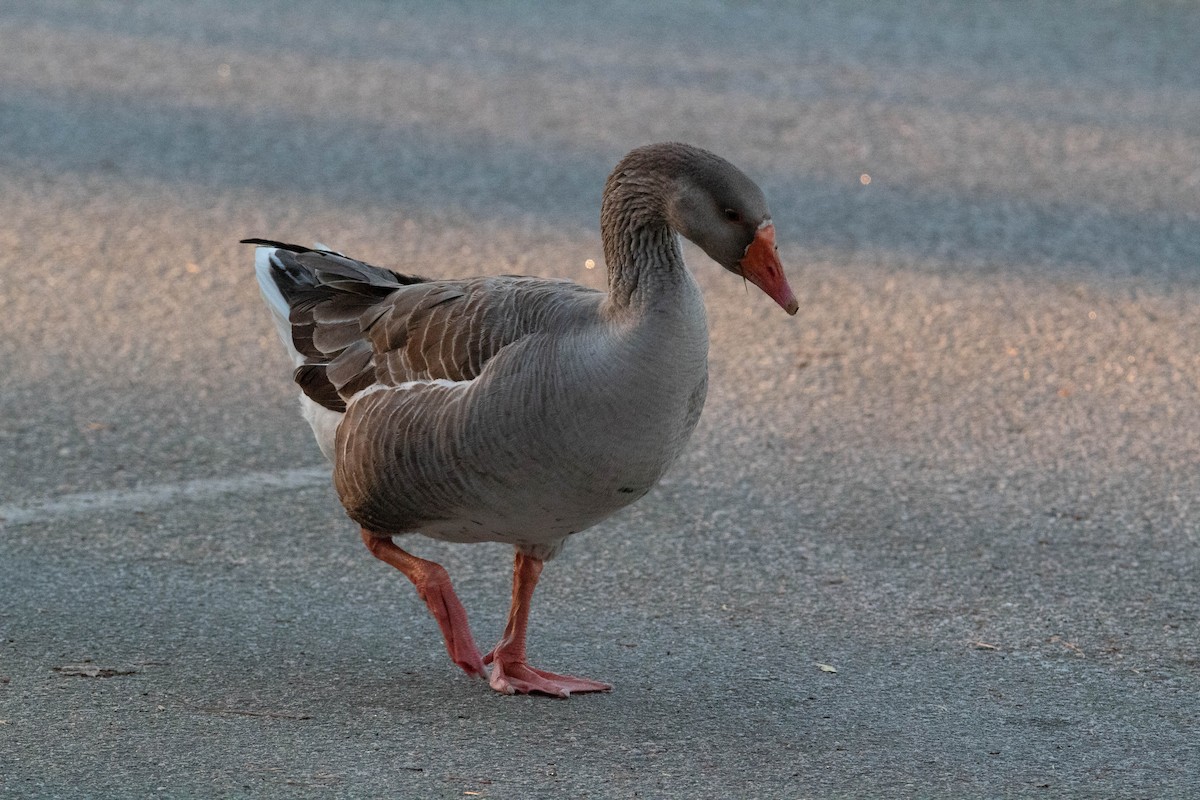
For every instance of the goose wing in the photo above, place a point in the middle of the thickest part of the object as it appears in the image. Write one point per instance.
(351, 325)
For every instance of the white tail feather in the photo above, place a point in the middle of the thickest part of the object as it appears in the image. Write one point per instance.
(322, 421)
(275, 302)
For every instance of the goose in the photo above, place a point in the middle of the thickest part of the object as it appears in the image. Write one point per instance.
(517, 409)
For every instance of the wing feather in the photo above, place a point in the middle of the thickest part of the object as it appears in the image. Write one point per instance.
(357, 325)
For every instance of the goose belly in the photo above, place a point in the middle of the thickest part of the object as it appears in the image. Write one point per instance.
(569, 480)
(574, 457)
(518, 458)
(515, 485)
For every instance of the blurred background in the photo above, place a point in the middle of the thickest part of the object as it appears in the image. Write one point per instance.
(965, 474)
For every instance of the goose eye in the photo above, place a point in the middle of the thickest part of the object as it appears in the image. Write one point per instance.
(732, 215)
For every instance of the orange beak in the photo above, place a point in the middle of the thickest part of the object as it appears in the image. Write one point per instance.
(760, 265)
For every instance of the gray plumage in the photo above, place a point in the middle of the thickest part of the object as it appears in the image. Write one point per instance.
(516, 409)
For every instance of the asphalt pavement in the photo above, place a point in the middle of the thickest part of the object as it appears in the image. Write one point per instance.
(936, 536)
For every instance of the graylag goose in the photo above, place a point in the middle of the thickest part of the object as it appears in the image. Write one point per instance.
(517, 409)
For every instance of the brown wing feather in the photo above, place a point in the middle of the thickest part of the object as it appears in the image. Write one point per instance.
(357, 325)
(449, 332)
(327, 294)
(454, 328)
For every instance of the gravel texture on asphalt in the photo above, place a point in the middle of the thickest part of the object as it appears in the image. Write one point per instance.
(936, 536)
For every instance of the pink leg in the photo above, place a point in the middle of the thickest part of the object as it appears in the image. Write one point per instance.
(434, 587)
(510, 673)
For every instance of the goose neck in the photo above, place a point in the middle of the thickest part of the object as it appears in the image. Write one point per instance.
(644, 263)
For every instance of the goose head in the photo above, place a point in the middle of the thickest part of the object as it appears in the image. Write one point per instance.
(716, 206)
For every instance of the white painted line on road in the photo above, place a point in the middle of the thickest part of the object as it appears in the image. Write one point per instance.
(83, 503)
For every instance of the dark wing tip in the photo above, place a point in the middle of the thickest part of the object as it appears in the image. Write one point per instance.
(294, 248)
